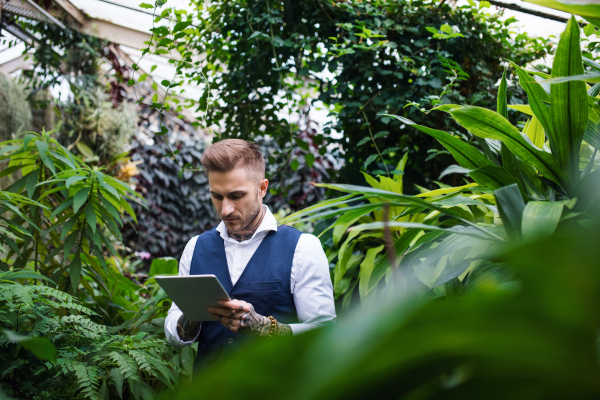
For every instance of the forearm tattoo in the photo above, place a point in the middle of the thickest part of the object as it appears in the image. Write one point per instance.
(186, 329)
(252, 323)
(283, 330)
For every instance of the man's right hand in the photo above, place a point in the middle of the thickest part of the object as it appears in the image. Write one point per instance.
(187, 330)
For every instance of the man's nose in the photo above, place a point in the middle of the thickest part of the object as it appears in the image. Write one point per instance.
(228, 207)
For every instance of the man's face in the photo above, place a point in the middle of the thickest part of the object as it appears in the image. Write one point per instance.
(236, 197)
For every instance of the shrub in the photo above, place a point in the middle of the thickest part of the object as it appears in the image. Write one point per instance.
(90, 363)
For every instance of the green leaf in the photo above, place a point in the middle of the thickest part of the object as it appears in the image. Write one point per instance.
(117, 378)
(569, 103)
(501, 107)
(181, 26)
(493, 177)
(85, 150)
(535, 131)
(301, 143)
(446, 28)
(592, 130)
(524, 108)
(75, 272)
(69, 242)
(42, 147)
(510, 206)
(538, 101)
(366, 269)
(488, 124)
(369, 160)
(128, 208)
(163, 266)
(540, 219)
(31, 181)
(187, 360)
(67, 226)
(255, 34)
(364, 140)
(534, 183)
(40, 347)
(364, 190)
(61, 208)
(146, 6)
(310, 160)
(28, 138)
(90, 216)
(294, 164)
(80, 198)
(589, 9)
(417, 225)
(465, 154)
(74, 179)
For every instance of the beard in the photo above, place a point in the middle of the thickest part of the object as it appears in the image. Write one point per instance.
(247, 224)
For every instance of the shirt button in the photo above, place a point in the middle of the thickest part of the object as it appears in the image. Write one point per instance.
(239, 245)
(230, 340)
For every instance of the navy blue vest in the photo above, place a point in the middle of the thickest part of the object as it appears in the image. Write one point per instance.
(264, 283)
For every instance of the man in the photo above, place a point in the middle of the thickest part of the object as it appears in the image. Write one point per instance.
(278, 278)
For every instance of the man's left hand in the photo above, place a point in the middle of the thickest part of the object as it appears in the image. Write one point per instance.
(239, 316)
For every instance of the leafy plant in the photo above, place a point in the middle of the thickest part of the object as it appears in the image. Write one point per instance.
(521, 192)
(88, 362)
(358, 58)
(73, 214)
(179, 202)
(535, 338)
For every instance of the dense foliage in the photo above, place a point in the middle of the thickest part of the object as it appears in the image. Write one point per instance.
(89, 362)
(488, 288)
(267, 59)
(179, 206)
(523, 188)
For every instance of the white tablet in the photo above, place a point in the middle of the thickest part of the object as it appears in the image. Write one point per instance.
(193, 294)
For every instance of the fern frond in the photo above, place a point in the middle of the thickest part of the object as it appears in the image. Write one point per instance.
(20, 293)
(127, 365)
(44, 325)
(87, 378)
(142, 360)
(63, 300)
(88, 329)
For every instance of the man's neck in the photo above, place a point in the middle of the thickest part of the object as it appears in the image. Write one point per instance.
(247, 232)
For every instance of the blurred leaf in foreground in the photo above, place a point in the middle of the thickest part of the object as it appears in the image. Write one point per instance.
(532, 338)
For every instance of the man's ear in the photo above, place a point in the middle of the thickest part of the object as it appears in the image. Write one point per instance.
(262, 188)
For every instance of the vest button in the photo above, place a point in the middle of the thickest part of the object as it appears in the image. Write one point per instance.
(230, 340)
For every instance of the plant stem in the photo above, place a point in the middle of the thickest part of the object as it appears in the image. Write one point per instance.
(272, 37)
(373, 139)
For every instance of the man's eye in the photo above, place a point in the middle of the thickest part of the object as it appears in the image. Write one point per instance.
(217, 197)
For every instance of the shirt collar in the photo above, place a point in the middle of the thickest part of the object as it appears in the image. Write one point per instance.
(269, 223)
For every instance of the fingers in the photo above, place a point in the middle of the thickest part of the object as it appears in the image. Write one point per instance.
(226, 312)
(238, 305)
(229, 323)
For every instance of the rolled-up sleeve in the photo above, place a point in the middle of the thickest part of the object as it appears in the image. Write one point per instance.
(174, 312)
(311, 285)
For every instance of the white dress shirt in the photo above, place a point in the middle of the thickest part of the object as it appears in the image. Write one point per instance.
(310, 280)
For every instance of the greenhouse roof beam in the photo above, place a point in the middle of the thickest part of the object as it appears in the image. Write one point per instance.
(29, 9)
(73, 11)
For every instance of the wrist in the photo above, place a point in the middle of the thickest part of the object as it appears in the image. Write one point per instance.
(263, 329)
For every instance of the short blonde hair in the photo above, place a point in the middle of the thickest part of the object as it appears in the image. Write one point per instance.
(229, 154)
